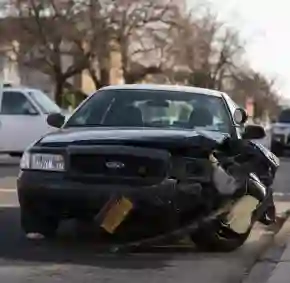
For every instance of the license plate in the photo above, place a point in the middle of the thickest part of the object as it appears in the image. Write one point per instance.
(116, 215)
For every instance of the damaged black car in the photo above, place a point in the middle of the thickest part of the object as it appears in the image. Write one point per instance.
(148, 163)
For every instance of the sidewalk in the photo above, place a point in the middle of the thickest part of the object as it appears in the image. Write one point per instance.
(281, 273)
(274, 265)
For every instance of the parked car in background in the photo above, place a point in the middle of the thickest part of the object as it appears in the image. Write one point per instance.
(23, 113)
(280, 133)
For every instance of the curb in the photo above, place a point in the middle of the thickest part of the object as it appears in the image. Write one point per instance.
(267, 260)
(278, 274)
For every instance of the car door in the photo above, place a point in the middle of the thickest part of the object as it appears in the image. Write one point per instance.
(21, 122)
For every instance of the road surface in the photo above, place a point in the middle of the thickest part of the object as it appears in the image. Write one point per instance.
(77, 261)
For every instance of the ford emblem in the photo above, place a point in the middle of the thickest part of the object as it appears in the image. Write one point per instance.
(115, 165)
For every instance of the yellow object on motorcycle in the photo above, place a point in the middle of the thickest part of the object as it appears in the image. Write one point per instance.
(240, 216)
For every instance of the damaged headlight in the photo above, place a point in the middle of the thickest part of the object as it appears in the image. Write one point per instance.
(42, 161)
(190, 168)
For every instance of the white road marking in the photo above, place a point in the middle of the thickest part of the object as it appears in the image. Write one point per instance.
(3, 190)
(8, 205)
(277, 194)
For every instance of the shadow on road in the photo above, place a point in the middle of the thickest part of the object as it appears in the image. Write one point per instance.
(69, 250)
(65, 249)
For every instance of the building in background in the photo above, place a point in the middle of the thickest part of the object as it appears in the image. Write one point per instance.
(11, 70)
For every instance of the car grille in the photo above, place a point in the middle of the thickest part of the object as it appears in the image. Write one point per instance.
(133, 166)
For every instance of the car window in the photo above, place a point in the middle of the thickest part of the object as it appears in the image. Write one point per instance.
(152, 108)
(46, 105)
(16, 103)
(284, 116)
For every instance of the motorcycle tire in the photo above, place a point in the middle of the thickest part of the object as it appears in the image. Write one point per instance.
(215, 237)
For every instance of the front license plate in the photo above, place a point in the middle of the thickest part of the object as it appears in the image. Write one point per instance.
(116, 215)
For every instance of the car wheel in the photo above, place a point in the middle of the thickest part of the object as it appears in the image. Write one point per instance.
(277, 149)
(230, 230)
(16, 154)
(33, 221)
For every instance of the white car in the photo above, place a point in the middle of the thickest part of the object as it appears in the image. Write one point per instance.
(280, 133)
(23, 113)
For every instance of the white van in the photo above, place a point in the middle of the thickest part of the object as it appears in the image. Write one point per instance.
(23, 113)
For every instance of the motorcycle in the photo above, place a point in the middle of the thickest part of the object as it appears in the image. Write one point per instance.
(216, 209)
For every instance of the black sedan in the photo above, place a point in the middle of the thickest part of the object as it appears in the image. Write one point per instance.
(137, 160)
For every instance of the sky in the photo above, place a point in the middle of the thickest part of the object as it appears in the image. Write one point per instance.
(265, 25)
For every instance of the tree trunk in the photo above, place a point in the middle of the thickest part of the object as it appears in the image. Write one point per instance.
(58, 92)
(104, 77)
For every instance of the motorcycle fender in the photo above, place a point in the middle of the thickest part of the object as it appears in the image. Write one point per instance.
(239, 219)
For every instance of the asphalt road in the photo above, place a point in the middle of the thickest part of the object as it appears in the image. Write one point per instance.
(76, 260)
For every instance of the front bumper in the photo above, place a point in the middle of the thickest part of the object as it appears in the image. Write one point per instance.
(53, 191)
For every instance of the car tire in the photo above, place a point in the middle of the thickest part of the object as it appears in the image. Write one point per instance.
(16, 154)
(215, 237)
(277, 149)
(34, 221)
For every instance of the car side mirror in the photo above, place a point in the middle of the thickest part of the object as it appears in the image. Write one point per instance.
(253, 132)
(240, 116)
(55, 120)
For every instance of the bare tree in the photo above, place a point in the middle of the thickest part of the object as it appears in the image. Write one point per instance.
(50, 39)
(205, 50)
(62, 38)
(137, 28)
(249, 83)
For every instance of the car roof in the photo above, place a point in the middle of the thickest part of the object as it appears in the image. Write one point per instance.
(19, 89)
(176, 88)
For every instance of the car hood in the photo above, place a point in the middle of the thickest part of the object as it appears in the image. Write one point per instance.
(132, 136)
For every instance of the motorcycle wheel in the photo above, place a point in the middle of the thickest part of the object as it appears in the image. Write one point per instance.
(215, 237)
(219, 236)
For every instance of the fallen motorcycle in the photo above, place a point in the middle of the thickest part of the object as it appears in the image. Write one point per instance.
(217, 211)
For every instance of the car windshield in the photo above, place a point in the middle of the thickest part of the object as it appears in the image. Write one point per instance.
(152, 108)
(44, 102)
(284, 116)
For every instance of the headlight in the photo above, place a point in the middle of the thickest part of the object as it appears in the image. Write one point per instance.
(42, 161)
